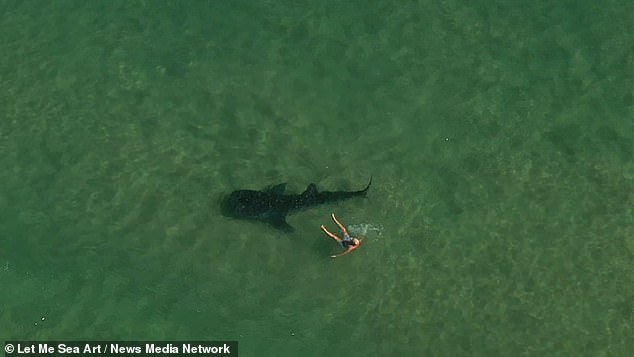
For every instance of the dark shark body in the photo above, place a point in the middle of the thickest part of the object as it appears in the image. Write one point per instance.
(271, 205)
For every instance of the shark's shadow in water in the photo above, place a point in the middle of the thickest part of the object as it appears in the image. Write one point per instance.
(271, 205)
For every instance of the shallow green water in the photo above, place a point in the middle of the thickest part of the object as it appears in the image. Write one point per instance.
(500, 139)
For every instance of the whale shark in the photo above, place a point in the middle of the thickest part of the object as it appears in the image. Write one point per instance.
(271, 205)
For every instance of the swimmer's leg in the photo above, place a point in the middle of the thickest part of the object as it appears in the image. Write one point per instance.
(331, 235)
(341, 226)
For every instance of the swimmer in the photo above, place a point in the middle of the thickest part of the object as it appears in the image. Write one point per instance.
(348, 242)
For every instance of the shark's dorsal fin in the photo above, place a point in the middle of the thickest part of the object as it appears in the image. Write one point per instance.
(277, 190)
(310, 191)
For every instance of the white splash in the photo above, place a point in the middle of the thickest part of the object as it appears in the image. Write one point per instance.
(365, 230)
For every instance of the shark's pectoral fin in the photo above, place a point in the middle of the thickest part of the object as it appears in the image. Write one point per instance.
(278, 221)
(276, 190)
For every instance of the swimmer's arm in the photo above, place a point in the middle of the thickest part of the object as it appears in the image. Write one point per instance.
(350, 249)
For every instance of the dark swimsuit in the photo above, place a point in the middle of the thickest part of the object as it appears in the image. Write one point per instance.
(347, 241)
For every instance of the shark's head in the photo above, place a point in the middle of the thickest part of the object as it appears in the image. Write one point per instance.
(246, 204)
(256, 205)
